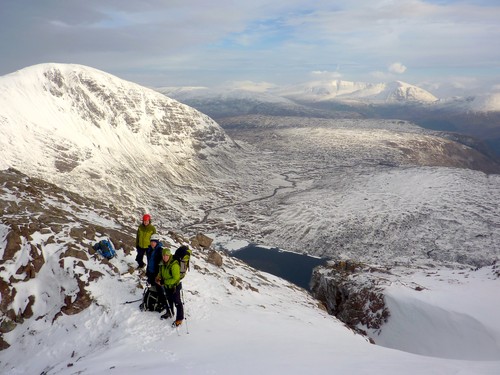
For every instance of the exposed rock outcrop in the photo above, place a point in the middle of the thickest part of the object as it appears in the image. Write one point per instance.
(353, 292)
(49, 230)
(200, 240)
(214, 258)
(41, 233)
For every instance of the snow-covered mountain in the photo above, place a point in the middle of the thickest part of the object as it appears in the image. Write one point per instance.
(397, 92)
(183, 93)
(66, 310)
(380, 93)
(91, 132)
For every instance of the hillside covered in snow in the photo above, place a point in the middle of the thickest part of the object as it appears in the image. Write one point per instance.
(86, 130)
(68, 310)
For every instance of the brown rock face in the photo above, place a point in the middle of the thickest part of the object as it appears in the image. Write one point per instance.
(353, 293)
(200, 240)
(42, 233)
(214, 258)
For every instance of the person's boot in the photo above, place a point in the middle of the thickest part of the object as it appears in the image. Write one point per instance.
(167, 315)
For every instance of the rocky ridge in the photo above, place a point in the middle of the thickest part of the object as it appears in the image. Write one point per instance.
(48, 236)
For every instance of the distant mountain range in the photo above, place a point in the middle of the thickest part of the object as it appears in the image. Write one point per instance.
(477, 116)
(347, 92)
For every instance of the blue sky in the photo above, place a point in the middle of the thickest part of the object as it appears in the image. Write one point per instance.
(437, 44)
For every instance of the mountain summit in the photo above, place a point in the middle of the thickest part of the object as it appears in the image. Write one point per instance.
(77, 124)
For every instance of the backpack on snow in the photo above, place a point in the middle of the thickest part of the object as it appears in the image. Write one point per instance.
(183, 255)
(105, 248)
(151, 300)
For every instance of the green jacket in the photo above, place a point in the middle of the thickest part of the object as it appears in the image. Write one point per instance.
(144, 233)
(170, 273)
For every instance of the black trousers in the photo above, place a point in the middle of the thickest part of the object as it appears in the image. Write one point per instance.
(140, 256)
(173, 298)
(152, 279)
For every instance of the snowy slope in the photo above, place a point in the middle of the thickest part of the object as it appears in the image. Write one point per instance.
(239, 320)
(91, 132)
(446, 320)
(393, 215)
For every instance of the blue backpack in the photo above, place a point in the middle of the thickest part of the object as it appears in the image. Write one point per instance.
(105, 248)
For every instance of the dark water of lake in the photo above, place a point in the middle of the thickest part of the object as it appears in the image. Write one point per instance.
(293, 267)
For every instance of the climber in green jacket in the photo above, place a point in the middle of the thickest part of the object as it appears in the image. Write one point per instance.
(169, 277)
(144, 232)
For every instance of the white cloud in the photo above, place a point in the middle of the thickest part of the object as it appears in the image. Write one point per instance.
(397, 68)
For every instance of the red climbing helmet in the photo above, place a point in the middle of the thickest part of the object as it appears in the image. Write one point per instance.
(146, 217)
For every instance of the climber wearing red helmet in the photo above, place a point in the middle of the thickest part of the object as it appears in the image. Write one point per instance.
(144, 232)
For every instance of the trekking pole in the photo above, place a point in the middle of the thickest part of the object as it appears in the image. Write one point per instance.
(168, 307)
(185, 311)
(136, 300)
